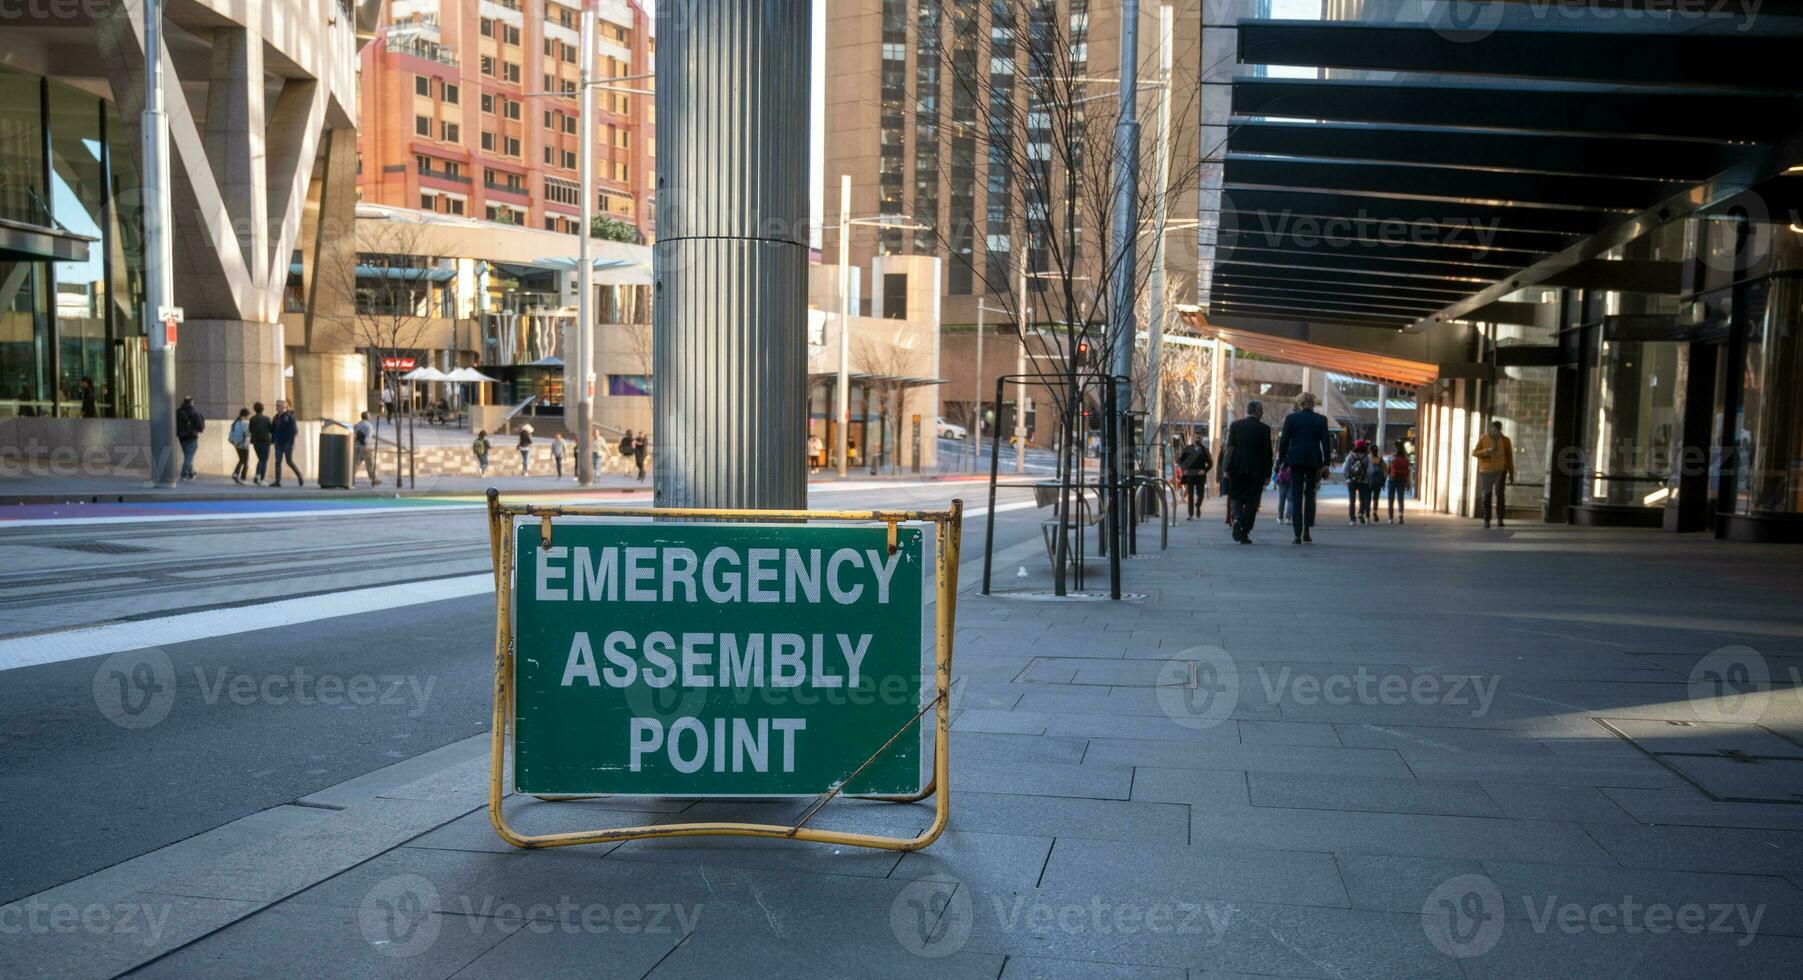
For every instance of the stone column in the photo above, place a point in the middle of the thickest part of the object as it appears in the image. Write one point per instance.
(228, 364)
(731, 260)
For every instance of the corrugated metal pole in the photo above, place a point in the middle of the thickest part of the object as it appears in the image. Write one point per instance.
(584, 354)
(159, 282)
(1125, 275)
(731, 260)
(1161, 186)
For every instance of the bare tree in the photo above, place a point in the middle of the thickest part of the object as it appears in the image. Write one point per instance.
(887, 363)
(1023, 104)
(391, 302)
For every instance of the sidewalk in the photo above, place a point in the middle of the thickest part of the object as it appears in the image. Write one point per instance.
(1421, 751)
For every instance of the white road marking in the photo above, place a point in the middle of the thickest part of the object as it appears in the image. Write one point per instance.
(94, 641)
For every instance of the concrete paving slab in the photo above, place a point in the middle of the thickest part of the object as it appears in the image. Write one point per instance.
(1287, 877)
(1269, 758)
(1373, 794)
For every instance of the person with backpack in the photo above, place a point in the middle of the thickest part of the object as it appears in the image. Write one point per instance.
(189, 424)
(1400, 473)
(640, 446)
(525, 448)
(1358, 490)
(239, 437)
(284, 429)
(365, 433)
(262, 433)
(480, 449)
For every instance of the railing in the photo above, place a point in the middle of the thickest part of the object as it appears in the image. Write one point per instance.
(421, 48)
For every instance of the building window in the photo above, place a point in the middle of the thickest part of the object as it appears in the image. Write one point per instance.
(452, 94)
(488, 66)
(422, 126)
(512, 108)
(451, 132)
(488, 141)
(428, 202)
(569, 124)
(487, 27)
(422, 85)
(569, 160)
(510, 71)
(488, 103)
(895, 296)
(512, 146)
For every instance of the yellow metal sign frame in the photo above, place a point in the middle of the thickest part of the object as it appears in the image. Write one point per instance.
(948, 532)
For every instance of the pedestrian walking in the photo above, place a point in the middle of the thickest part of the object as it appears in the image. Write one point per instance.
(640, 446)
(816, 453)
(262, 434)
(189, 424)
(625, 447)
(388, 403)
(1495, 466)
(1377, 474)
(1400, 472)
(1248, 466)
(525, 448)
(365, 442)
(283, 430)
(239, 437)
(85, 389)
(1358, 487)
(557, 449)
(1307, 448)
(1194, 463)
(480, 449)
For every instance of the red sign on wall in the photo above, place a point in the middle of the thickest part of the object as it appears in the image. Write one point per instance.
(401, 364)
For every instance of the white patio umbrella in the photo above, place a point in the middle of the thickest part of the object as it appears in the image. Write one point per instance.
(425, 374)
(469, 374)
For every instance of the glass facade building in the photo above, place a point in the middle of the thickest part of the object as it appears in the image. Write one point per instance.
(72, 341)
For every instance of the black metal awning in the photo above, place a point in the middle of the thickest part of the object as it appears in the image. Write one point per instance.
(1441, 167)
(23, 242)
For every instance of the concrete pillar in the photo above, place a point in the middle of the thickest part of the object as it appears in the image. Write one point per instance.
(228, 364)
(1383, 415)
(234, 135)
(731, 260)
(331, 386)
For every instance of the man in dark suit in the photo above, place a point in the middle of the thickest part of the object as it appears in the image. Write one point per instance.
(1306, 447)
(1248, 466)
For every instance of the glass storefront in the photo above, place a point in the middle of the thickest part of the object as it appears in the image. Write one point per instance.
(71, 340)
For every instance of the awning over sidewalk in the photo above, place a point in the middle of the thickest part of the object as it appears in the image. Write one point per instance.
(1393, 371)
(1479, 158)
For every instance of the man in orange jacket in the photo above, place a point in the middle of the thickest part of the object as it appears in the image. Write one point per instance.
(1495, 461)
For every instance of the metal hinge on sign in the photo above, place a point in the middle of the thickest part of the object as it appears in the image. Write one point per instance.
(544, 532)
(892, 544)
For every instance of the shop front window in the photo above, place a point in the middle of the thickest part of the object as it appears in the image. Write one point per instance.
(125, 285)
(77, 192)
(1633, 426)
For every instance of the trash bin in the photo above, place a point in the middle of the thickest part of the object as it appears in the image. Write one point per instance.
(335, 467)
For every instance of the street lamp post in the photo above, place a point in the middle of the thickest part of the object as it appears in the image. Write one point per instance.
(976, 436)
(842, 390)
(585, 269)
(159, 281)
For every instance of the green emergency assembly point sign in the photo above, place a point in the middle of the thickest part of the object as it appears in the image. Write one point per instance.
(693, 659)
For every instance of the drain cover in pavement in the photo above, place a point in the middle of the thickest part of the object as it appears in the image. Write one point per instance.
(1730, 763)
(100, 547)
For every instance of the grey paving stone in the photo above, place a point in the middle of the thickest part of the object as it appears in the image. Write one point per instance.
(1198, 788)
(1286, 877)
(1705, 738)
(1269, 758)
(1772, 905)
(1521, 951)
(474, 832)
(1142, 726)
(711, 955)
(1717, 849)
(974, 746)
(63, 940)
(1548, 770)
(1254, 732)
(1407, 834)
(1091, 819)
(1041, 968)
(1096, 782)
(350, 942)
(1686, 805)
(1322, 792)
(986, 859)
(1396, 883)
(577, 950)
(1583, 804)
(1000, 722)
(1743, 780)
